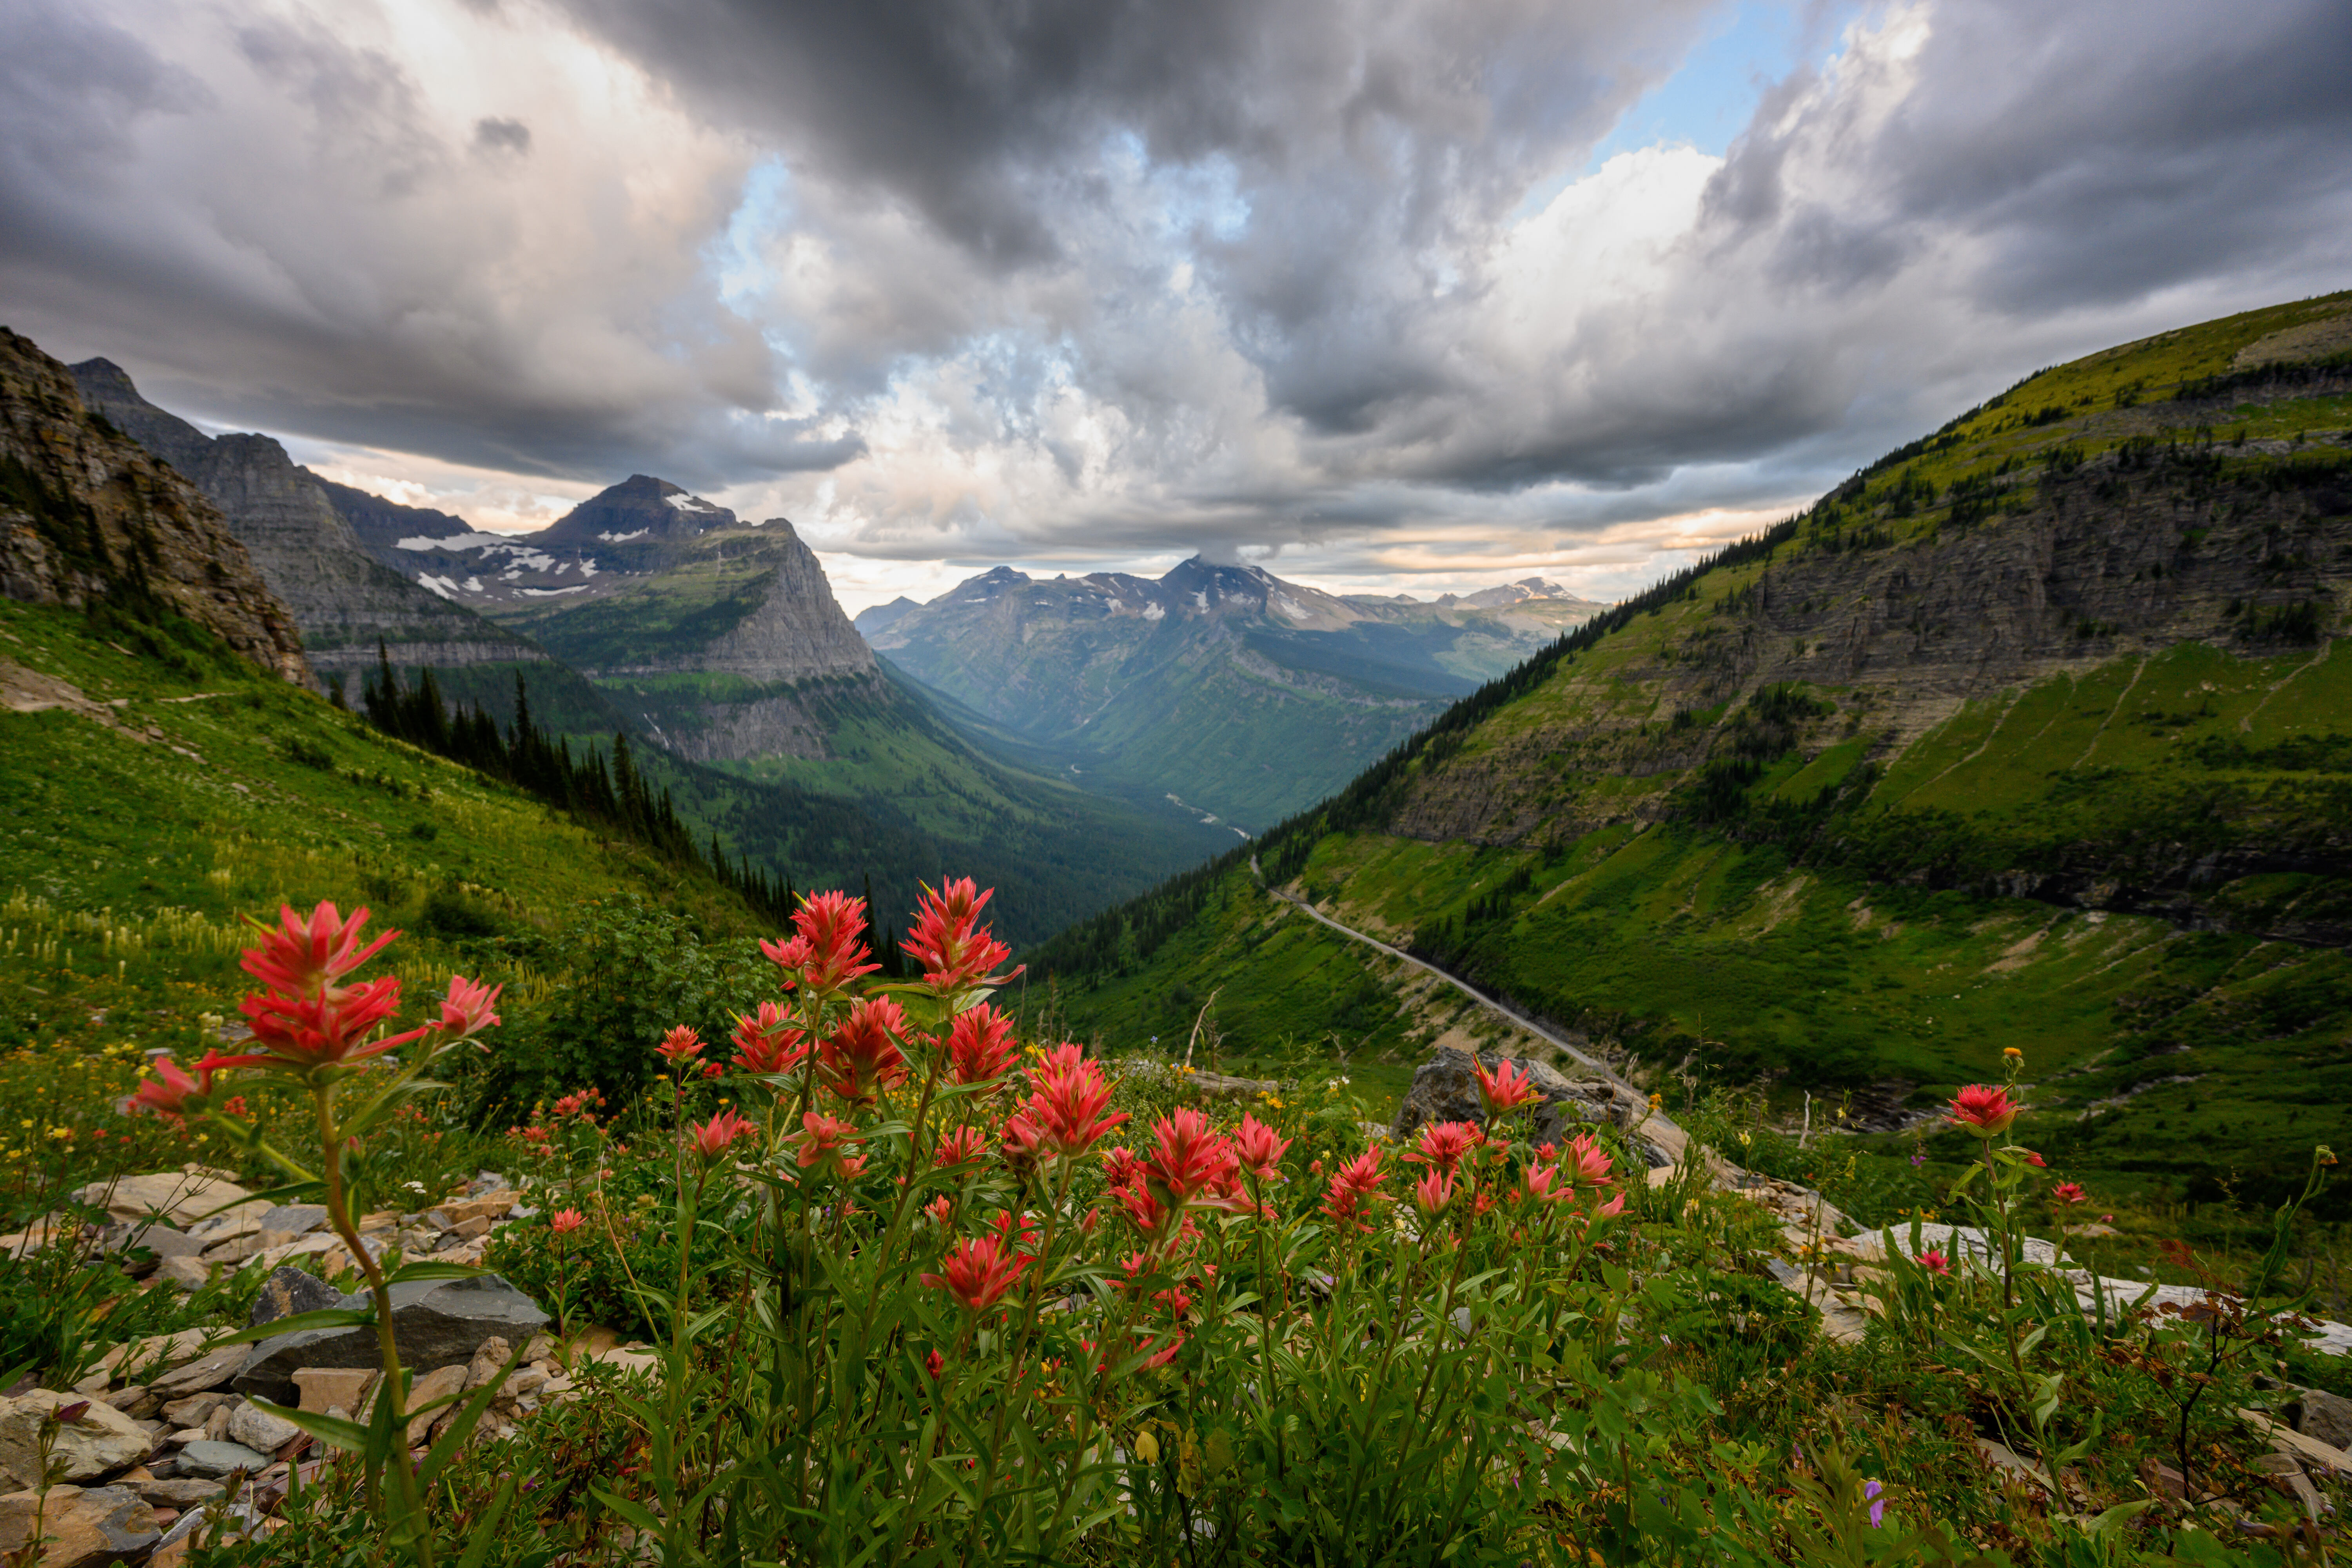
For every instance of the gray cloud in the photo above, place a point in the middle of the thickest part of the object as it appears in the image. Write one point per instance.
(1131, 276)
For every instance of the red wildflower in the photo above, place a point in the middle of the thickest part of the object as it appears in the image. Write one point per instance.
(955, 951)
(1935, 1263)
(1188, 1161)
(1983, 1110)
(1444, 1144)
(1434, 1192)
(466, 1010)
(300, 956)
(680, 1046)
(1022, 1141)
(1354, 1188)
(933, 1365)
(711, 1139)
(1259, 1149)
(711, 1070)
(827, 950)
(940, 1208)
(767, 1041)
(861, 1057)
(2036, 1161)
(1539, 1177)
(1588, 1162)
(566, 1220)
(174, 1094)
(1505, 1089)
(333, 1026)
(978, 1271)
(1068, 1104)
(2070, 1192)
(964, 1146)
(980, 1044)
(825, 1141)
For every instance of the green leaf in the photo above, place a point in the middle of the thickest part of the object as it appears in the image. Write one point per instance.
(478, 1545)
(325, 1318)
(2122, 1513)
(430, 1270)
(637, 1513)
(346, 1435)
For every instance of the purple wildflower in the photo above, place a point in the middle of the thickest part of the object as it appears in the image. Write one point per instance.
(1870, 1490)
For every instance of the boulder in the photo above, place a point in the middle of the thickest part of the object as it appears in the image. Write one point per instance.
(88, 1527)
(1445, 1088)
(182, 1197)
(2325, 1418)
(289, 1290)
(101, 1439)
(208, 1457)
(435, 1323)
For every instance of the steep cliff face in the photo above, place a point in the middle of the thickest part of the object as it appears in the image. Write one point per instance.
(345, 603)
(87, 513)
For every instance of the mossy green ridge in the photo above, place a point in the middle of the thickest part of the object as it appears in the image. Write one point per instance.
(2036, 734)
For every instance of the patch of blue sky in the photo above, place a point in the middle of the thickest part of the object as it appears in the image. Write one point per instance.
(738, 255)
(1710, 96)
(1186, 198)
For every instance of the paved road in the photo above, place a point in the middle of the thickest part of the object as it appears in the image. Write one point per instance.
(1529, 1025)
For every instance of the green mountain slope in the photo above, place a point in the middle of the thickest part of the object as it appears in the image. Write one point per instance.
(1223, 686)
(2036, 734)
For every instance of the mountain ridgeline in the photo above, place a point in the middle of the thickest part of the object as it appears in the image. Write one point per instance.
(1221, 687)
(2036, 732)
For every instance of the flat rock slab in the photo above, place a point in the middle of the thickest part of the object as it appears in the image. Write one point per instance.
(180, 1197)
(435, 1323)
(199, 1376)
(206, 1457)
(93, 1525)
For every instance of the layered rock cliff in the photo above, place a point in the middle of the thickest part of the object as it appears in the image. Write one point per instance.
(87, 514)
(345, 603)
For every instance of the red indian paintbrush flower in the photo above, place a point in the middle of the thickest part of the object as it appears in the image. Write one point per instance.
(825, 1141)
(1505, 1089)
(1068, 1106)
(827, 949)
(332, 1026)
(1022, 1141)
(302, 955)
(566, 1220)
(978, 1271)
(1188, 1161)
(711, 1139)
(1587, 1162)
(466, 1010)
(1259, 1149)
(861, 1057)
(174, 1094)
(981, 1045)
(768, 1042)
(680, 1046)
(964, 1146)
(2070, 1192)
(1935, 1263)
(1434, 1192)
(1983, 1110)
(1355, 1187)
(955, 951)
(1444, 1143)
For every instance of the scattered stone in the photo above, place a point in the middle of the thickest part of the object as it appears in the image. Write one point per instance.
(211, 1457)
(136, 1401)
(325, 1388)
(468, 1229)
(103, 1439)
(259, 1430)
(93, 1525)
(437, 1384)
(2307, 1450)
(295, 1219)
(290, 1290)
(185, 1436)
(158, 1352)
(184, 1273)
(180, 1494)
(435, 1323)
(489, 1361)
(181, 1197)
(198, 1376)
(2287, 1478)
(217, 1423)
(2326, 1417)
(193, 1410)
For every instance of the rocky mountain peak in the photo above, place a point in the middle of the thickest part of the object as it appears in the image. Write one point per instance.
(640, 507)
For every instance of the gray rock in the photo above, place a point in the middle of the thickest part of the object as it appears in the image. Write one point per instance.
(103, 1439)
(2324, 1416)
(295, 1219)
(199, 1376)
(92, 1526)
(209, 1458)
(193, 1411)
(1445, 1088)
(184, 1273)
(289, 1290)
(180, 1494)
(435, 1323)
(259, 1430)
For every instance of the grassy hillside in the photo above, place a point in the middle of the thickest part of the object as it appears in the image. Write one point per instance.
(2034, 735)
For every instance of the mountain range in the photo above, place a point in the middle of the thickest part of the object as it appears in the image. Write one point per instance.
(1221, 686)
(2035, 734)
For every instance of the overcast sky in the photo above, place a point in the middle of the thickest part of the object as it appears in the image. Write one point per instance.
(1416, 295)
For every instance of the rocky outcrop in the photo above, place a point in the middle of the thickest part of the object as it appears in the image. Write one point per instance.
(86, 514)
(795, 629)
(1445, 1088)
(345, 601)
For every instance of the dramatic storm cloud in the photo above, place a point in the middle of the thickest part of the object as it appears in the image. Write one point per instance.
(1420, 292)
